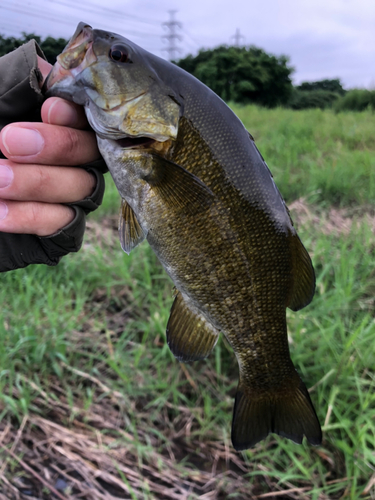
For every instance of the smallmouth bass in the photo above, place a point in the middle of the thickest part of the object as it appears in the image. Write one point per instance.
(193, 184)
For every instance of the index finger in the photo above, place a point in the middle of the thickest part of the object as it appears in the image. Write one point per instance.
(46, 144)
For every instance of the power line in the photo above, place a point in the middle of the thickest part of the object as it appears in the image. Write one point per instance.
(33, 14)
(172, 36)
(97, 9)
(51, 17)
(195, 42)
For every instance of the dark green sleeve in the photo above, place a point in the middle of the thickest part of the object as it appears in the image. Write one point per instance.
(20, 95)
(21, 100)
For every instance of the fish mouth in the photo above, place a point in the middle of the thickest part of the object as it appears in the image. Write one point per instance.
(145, 144)
(135, 142)
(76, 56)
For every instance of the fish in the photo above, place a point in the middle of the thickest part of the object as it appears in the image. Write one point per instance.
(194, 185)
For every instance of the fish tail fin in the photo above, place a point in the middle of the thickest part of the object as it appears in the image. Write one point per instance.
(287, 412)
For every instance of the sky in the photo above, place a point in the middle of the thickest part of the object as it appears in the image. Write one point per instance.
(322, 38)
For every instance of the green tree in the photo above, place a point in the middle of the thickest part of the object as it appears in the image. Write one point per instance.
(242, 74)
(51, 47)
(7, 44)
(327, 85)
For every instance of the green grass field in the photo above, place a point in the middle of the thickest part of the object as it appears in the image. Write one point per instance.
(94, 406)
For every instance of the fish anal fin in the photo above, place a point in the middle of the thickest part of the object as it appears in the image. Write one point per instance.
(189, 335)
(177, 187)
(288, 413)
(130, 231)
(303, 283)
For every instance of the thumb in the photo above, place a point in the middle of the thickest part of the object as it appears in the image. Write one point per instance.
(45, 68)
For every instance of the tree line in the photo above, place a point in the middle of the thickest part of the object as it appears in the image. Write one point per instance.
(251, 75)
(243, 75)
(51, 47)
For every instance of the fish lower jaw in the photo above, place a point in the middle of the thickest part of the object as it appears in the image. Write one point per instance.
(135, 142)
(146, 144)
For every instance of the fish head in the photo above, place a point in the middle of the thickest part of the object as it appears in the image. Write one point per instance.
(118, 84)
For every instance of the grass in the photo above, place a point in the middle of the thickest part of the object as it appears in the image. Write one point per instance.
(332, 155)
(92, 399)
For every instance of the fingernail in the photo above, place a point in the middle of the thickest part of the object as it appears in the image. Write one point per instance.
(6, 176)
(62, 113)
(50, 109)
(19, 141)
(3, 210)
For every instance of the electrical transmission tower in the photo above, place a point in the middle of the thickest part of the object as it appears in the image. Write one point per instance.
(172, 36)
(237, 37)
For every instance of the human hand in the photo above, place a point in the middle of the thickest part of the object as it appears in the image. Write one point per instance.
(32, 190)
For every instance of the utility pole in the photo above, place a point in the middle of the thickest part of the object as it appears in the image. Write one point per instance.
(172, 36)
(237, 37)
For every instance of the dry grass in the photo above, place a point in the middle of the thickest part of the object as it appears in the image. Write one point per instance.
(71, 452)
(90, 456)
(335, 221)
(63, 449)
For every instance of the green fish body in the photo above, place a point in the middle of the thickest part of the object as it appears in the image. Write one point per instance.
(193, 184)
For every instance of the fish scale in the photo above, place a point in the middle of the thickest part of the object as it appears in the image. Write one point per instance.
(193, 184)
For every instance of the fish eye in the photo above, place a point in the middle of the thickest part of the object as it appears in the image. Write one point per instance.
(119, 53)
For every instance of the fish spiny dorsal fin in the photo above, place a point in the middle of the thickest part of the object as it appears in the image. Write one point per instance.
(130, 232)
(189, 335)
(303, 276)
(286, 411)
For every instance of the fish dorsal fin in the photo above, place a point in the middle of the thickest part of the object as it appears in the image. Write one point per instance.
(129, 229)
(303, 287)
(177, 187)
(189, 335)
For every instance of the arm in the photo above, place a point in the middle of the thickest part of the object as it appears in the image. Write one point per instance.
(44, 219)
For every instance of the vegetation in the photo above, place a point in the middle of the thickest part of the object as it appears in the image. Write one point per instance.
(51, 47)
(320, 94)
(92, 401)
(356, 100)
(326, 85)
(242, 74)
(330, 155)
(322, 99)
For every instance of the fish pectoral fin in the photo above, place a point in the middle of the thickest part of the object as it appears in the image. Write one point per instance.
(177, 187)
(303, 282)
(286, 411)
(129, 229)
(189, 335)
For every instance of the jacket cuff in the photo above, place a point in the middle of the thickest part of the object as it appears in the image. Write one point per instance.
(69, 239)
(93, 201)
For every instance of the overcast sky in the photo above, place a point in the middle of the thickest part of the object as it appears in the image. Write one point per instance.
(323, 38)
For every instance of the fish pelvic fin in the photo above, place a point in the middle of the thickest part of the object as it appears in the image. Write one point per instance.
(129, 229)
(303, 282)
(189, 335)
(288, 413)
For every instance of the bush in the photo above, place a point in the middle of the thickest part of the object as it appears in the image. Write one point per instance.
(303, 99)
(331, 85)
(356, 100)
